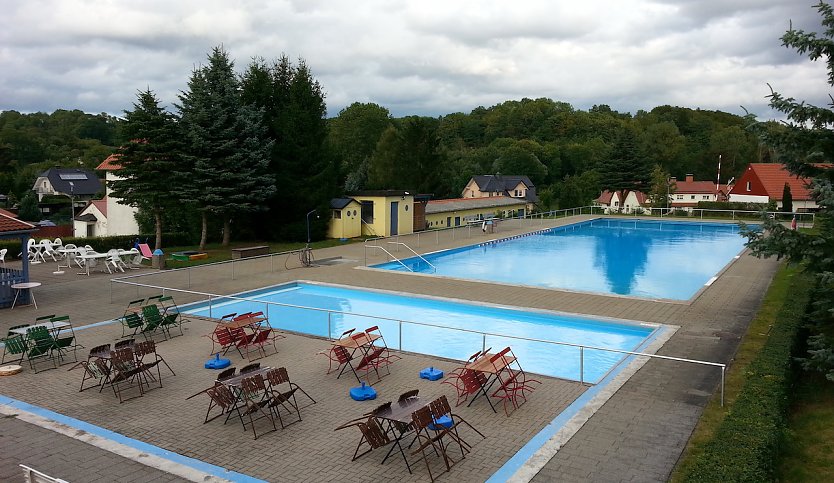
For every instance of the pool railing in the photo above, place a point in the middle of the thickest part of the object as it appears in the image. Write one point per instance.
(216, 301)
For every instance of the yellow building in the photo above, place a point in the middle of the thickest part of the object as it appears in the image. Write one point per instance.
(461, 211)
(380, 213)
(345, 221)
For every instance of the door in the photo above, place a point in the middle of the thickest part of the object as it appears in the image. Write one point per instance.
(395, 219)
(457, 221)
(448, 221)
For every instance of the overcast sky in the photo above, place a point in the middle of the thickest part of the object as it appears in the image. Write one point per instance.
(422, 57)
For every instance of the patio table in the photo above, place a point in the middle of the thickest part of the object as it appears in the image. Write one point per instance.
(485, 366)
(89, 258)
(400, 414)
(51, 326)
(18, 287)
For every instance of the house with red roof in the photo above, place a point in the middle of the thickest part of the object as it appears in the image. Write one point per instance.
(688, 193)
(633, 202)
(107, 216)
(765, 182)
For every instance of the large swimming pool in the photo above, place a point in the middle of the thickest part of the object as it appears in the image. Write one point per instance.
(444, 327)
(638, 258)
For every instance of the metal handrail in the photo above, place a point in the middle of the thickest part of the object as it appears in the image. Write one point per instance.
(401, 322)
(415, 253)
(388, 253)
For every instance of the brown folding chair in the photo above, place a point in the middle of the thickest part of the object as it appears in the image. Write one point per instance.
(145, 349)
(250, 367)
(256, 403)
(94, 368)
(282, 394)
(428, 439)
(125, 371)
(444, 418)
(220, 397)
(374, 436)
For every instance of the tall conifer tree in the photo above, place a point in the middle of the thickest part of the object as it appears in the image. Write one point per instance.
(228, 145)
(151, 160)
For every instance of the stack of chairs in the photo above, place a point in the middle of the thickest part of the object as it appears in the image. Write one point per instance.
(514, 384)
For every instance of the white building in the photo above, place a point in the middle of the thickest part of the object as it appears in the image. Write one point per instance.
(107, 217)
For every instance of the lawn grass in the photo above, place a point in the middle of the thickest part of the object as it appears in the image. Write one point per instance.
(751, 344)
(808, 454)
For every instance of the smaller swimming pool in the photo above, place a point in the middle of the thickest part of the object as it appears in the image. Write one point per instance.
(444, 327)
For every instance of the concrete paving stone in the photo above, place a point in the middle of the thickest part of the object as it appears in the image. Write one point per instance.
(662, 396)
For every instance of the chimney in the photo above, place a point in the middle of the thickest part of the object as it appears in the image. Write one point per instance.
(689, 178)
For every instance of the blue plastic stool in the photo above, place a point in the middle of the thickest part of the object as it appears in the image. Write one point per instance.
(363, 393)
(431, 373)
(217, 363)
(442, 422)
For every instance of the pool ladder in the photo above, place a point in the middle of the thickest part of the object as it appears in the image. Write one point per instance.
(434, 269)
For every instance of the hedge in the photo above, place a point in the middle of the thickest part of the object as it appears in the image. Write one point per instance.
(102, 244)
(745, 446)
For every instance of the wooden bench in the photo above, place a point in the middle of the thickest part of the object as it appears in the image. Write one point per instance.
(246, 252)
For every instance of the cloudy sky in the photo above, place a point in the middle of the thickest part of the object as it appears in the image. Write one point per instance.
(416, 57)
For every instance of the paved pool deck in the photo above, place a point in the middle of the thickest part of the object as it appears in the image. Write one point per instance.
(638, 433)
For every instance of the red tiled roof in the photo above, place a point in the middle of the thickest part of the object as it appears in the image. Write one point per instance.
(7, 224)
(101, 205)
(605, 197)
(7, 213)
(773, 177)
(111, 163)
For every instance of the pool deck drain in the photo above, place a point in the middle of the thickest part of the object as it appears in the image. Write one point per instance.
(637, 434)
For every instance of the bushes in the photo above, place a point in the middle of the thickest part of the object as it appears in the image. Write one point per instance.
(745, 446)
(102, 244)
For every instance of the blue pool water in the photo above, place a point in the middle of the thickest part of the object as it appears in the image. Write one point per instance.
(342, 308)
(639, 258)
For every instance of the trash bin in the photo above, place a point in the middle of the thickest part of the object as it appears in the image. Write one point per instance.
(158, 260)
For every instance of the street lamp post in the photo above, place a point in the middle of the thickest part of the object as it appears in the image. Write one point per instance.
(308, 226)
(72, 206)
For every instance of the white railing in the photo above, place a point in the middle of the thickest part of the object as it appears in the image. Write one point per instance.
(387, 253)
(415, 254)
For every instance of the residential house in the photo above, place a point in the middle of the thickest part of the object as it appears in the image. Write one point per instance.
(107, 216)
(74, 183)
(765, 182)
(461, 211)
(485, 186)
(634, 201)
(689, 192)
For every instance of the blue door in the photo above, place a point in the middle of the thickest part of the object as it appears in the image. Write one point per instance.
(395, 221)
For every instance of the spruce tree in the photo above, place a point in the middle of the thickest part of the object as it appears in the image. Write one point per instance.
(150, 161)
(805, 144)
(227, 145)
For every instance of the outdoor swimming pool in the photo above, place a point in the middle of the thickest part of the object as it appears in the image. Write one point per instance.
(444, 327)
(638, 258)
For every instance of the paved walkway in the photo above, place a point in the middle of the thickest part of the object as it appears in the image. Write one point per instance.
(637, 435)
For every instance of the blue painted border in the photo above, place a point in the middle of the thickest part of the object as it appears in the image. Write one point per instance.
(133, 443)
(517, 460)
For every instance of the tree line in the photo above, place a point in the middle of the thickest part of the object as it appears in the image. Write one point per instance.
(253, 152)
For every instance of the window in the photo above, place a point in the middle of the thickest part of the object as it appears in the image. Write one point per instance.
(706, 197)
(337, 214)
(680, 197)
(748, 186)
(692, 197)
(517, 193)
(406, 207)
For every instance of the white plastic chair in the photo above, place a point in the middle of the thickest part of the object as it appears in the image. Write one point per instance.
(3, 256)
(114, 260)
(46, 249)
(33, 251)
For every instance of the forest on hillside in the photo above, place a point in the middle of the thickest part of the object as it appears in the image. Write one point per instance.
(566, 152)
